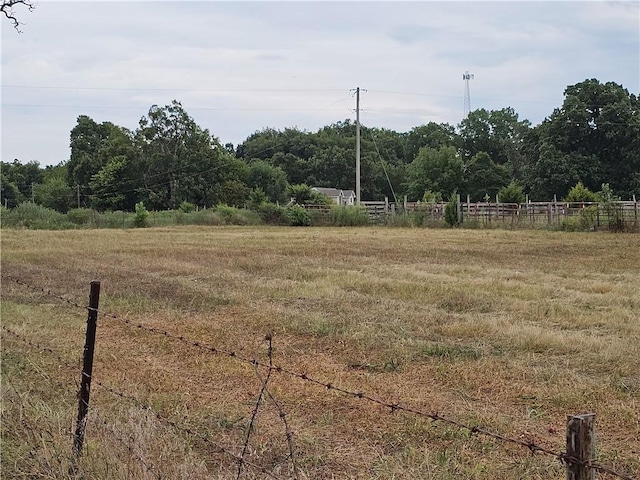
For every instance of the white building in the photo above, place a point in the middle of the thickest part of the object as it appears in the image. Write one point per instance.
(341, 197)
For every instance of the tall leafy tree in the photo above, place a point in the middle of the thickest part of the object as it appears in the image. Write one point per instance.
(270, 179)
(593, 138)
(432, 135)
(434, 170)
(9, 194)
(497, 132)
(86, 140)
(484, 177)
(118, 184)
(182, 161)
(54, 192)
(23, 176)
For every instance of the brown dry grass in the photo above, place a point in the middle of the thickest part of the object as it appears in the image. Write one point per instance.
(511, 330)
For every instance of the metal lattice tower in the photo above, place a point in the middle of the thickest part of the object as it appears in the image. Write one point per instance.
(467, 96)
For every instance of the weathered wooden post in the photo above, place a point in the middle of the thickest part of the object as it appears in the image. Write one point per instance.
(87, 367)
(581, 446)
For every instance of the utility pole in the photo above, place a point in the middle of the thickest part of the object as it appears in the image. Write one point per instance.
(358, 146)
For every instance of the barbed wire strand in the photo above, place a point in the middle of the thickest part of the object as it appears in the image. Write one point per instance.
(148, 408)
(63, 362)
(533, 447)
(140, 404)
(45, 291)
(281, 413)
(254, 415)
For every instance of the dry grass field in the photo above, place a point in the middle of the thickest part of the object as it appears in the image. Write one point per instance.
(508, 330)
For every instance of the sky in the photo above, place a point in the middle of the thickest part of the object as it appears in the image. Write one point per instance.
(239, 67)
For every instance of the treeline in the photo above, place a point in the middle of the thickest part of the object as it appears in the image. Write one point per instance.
(593, 139)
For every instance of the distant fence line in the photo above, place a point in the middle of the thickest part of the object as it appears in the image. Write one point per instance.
(618, 216)
(579, 457)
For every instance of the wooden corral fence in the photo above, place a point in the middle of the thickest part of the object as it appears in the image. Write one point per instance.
(617, 216)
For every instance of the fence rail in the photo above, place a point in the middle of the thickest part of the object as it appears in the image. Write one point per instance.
(579, 457)
(618, 216)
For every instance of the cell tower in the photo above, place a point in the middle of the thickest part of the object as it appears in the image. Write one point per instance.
(467, 96)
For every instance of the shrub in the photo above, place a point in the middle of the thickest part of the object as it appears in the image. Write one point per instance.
(236, 216)
(512, 193)
(349, 216)
(31, 215)
(298, 216)
(257, 197)
(451, 211)
(80, 216)
(431, 197)
(141, 217)
(187, 207)
(580, 194)
(272, 214)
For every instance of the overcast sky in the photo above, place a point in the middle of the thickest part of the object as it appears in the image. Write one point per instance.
(238, 67)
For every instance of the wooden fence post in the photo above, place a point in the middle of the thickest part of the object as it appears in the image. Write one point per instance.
(87, 367)
(581, 445)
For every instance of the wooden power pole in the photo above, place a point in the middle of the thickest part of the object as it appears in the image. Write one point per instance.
(358, 146)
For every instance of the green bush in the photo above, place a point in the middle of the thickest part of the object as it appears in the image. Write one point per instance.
(187, 207)
(512, 193)
(4, 215)
(80, 216)
(141, 217)
(31, 215)
(451, 211)
(349, 216)
(298, 216)
(236, 216)
(580, 194)
(272, 214)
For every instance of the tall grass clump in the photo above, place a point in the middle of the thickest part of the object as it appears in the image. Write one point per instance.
(31, 215)
(236, 216)
(272, 214)
(349, 216)
(81, 216)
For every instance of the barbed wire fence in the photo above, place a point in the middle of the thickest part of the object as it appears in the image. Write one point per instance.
(577, 458)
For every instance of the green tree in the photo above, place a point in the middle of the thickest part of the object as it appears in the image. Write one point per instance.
(499, 133)
(23, 176)
(432, 135)
(580, 194)
(9, 193)
(434, 170)
(512, 193)
(595, 138)
(234, 193)
(118, 184)
(271, 180)
(86, 140)
(484, 177)
(182, 161)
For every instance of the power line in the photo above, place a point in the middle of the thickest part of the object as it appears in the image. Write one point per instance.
(166, 89)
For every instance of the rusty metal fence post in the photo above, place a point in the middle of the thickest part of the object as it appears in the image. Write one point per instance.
(581, 446)
(87, 368)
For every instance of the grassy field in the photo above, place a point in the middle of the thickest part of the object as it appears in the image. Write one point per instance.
(509, 330)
